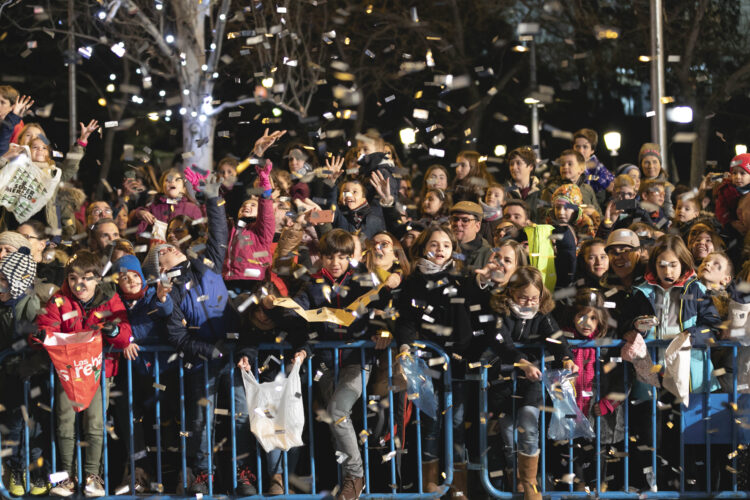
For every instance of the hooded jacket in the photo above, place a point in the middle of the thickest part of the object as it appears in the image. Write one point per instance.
(203, 314)
(245, 243)
(104, 307)
(368, 219)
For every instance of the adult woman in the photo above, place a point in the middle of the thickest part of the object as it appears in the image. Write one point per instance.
(649, 158)
(471, 178)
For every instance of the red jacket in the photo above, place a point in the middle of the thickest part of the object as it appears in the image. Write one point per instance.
(106, 307)
(247, 244)
(727, 199)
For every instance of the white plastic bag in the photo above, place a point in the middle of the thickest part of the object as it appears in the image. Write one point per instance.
(677, 367)
(567, 421)
(277, 416)
(25, 188)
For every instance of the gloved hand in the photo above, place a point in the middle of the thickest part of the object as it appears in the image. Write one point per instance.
(264, 175)
(210, 187)
(110, 330)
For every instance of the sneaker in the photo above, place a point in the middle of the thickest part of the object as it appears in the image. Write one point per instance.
(40, 486)
(94, 486)
(64, 488)
(245, 480)
(351, 488)
(200, 484)
(17, 483)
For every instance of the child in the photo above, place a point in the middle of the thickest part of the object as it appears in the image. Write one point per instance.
(148, 309)
(597, 175)
(686, 213)
(249, 251)
(593, 262)
(471, 177)
(173, 200)
(566, 206)
(572, 166)
(84, 304)
(334, 286)
(494, 197)
(671, 292)
(354, 213)
(19, 307)
(525, 308)
(426, 293)
(523, 185)
(729, 193)
(589, 320)
(653, 191)
(198, 327)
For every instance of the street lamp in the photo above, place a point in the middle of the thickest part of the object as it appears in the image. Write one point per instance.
(740, 149)
(613, 141)
(408, 136)
(500, 150)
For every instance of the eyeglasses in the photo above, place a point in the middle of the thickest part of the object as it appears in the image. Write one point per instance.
(625, 196)
(165, 251)
(463, 220)
(527, 301)
(101, 211)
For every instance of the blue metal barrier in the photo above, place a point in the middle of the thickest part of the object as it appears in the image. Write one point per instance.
(703, 406)
(371, 490)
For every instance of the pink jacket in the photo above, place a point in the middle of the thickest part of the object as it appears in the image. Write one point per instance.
(164, 211)
(250, 251)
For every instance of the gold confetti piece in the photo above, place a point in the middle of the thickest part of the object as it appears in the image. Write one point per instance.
(160, 387)
(609, 367)
(718, 372)
(655, 368)
(340, 421)
(670, 424)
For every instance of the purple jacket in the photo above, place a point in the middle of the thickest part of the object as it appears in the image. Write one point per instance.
(247, 244)
(164, 211)
(597, 175)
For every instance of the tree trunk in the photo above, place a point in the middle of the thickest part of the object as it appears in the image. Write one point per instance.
(700, 147)
(197, 141)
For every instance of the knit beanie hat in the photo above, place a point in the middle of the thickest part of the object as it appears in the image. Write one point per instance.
(14, 239)
(649, 149)
(129, 263)
(625, 168)
(571, 195)
(742, 161)
(19, 270)
(151, 262)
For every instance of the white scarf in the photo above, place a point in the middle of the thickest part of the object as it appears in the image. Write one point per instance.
(428, 267)
(523, 312)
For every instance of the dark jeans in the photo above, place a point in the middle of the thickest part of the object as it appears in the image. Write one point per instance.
(200, 401)
(431, 428)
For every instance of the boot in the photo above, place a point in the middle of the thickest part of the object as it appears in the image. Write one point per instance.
(430, 472)
(527, 467)
(458, 489)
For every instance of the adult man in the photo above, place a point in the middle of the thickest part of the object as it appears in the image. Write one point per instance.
(466, 221)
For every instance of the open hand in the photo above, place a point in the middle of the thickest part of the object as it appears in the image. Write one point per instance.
(22, 105)
(382, 186)
(87, 130)
(131, 351)
(266, 141)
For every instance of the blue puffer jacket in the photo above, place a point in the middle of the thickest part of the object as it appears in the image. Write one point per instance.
(696, 315)
(204, 314)
(148, 320)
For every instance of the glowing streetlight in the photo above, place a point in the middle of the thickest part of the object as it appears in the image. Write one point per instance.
(740, 149)
(500, 150)
(613, 141)
(408, 136)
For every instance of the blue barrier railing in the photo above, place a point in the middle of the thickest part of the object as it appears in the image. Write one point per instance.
(704, 405)
(371, 490)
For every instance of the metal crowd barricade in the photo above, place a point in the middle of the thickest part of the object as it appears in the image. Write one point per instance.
(315, 489)
(706, 406)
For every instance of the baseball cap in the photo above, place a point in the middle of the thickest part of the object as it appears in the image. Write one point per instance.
(624, 237)
(468, 207)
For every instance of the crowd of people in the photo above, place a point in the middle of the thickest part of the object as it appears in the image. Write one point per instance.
(483, 268)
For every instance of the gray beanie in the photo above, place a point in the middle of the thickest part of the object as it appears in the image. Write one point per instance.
(14, 239)
(19, 270)
(150, 264)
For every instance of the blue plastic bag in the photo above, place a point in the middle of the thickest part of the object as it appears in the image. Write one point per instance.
(567, 422)
(419, 388)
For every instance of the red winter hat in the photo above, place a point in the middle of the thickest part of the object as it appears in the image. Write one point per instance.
(742, 160)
